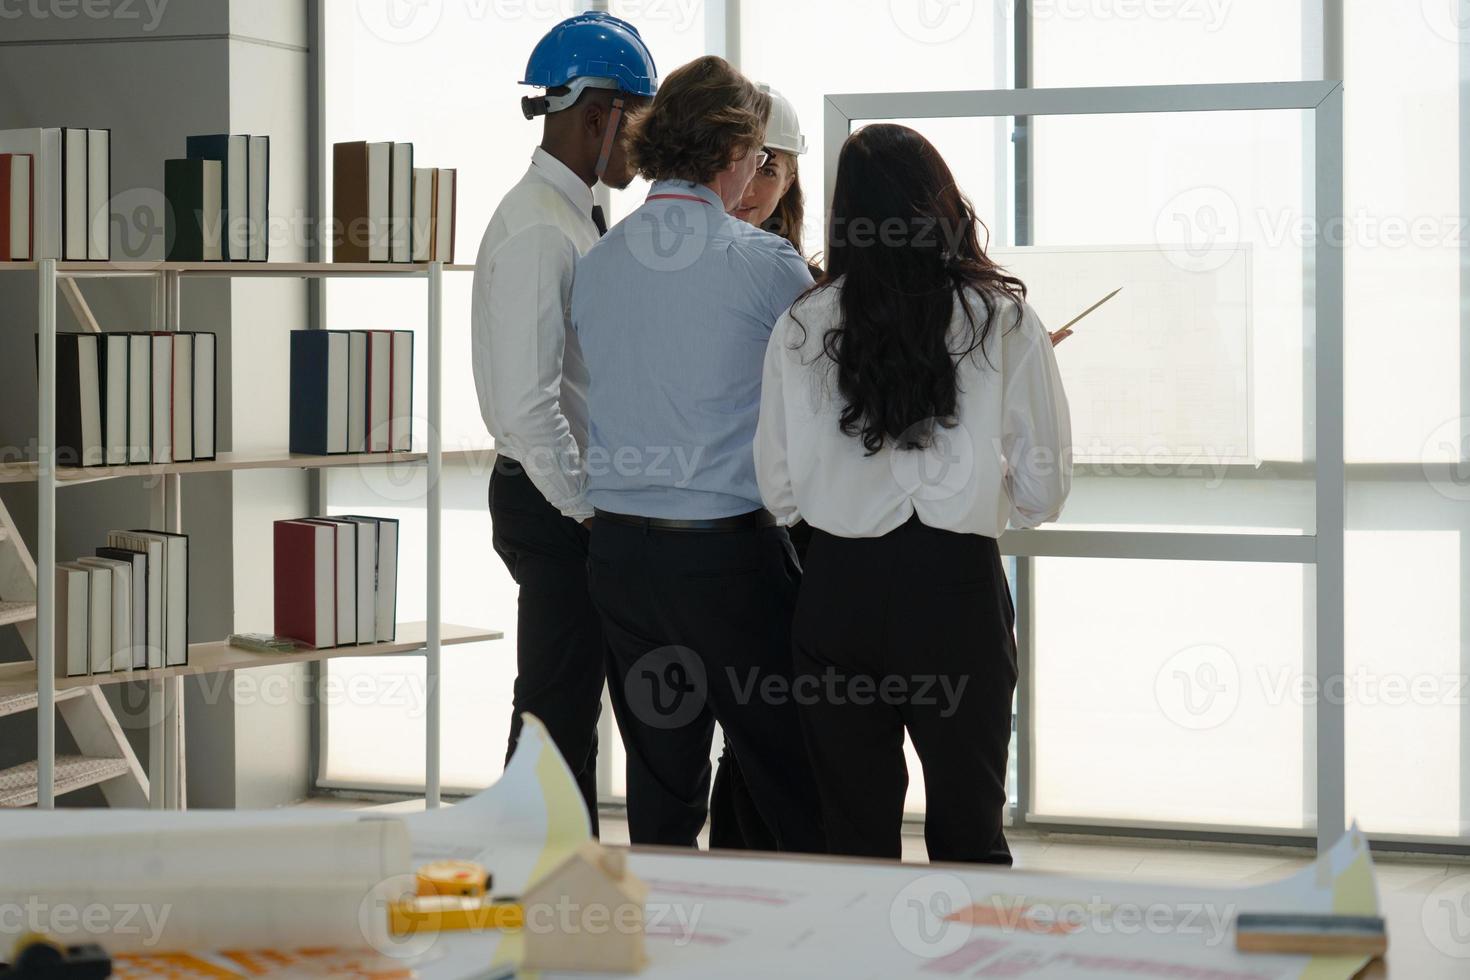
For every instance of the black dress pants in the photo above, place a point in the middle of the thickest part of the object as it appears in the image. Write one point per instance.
(734, 822)
(561, 655)
(699, 625)
(910, 631)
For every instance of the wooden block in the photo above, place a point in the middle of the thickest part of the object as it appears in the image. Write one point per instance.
(586, 915)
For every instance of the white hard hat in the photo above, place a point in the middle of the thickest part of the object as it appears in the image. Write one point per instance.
(783, 132)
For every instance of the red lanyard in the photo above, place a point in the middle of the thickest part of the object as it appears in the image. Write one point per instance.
(677, 197)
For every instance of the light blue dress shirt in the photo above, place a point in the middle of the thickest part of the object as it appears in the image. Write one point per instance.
(673, 309)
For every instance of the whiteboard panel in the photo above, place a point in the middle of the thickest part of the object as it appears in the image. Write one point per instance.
(1161, 374)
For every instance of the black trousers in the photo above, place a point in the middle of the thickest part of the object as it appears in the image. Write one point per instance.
(699, 629)
(734, 822)
(561, 655)
(911, 631)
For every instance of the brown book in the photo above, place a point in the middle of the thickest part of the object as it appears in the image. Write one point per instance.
(360, 192)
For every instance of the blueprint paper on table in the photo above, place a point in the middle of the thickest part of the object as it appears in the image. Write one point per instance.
(715, 916)
(718, 917)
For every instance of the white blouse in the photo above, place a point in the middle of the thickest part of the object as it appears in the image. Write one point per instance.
(1007, 460)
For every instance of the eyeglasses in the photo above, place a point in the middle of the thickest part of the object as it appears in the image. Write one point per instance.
(762, 157)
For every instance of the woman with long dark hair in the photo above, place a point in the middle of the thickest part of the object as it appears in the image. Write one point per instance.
(911, 409)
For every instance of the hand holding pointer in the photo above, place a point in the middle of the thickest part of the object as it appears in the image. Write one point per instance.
(1057, 336)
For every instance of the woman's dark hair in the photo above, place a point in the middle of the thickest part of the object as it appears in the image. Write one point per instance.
(903, 242)
(790, 213)
(705, 114)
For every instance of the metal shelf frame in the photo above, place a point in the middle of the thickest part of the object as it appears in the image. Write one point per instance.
(165, 722)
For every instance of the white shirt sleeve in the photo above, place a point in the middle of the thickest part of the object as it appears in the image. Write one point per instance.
(772, 472)
(1036, 433)
(519, 325)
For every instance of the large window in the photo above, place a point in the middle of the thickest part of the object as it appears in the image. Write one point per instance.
(1125, 651)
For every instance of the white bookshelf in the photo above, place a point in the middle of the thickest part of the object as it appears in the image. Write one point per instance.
(23, 686)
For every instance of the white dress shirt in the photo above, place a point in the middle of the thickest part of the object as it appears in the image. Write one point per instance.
(528, 366)
(1008, 460)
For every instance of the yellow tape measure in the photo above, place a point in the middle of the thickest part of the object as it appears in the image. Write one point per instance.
(464, 879)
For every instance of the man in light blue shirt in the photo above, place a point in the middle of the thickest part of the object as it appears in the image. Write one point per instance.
(695, 583)
(675, 308)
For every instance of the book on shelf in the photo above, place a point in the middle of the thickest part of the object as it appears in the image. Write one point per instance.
(400, 204)
(120, 646)
(367, 576)
(86, 161)
(74, 162)
(305, 562)
(73, 612)
(379, 389)
(115, 373)
(79, 433)
(99, 620)
(193, 208)
(232, 152)
(446, 193)
(43, 146)
(147, 612)
(361, 201)
(99, 194)
(423, 214)
(182, 397)
(258, 199)
(344, 537)
(206, 395)
(140, 397)
(168, 568)
(134, 398)
(161, 372)
(156, 620)
(385, 587)
(357, 395)
(400, 408)
(320, 389)
(17, 204)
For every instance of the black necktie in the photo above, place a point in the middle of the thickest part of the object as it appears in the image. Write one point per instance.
(598, 219)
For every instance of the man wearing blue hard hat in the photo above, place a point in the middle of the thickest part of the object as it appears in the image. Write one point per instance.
(531, 377)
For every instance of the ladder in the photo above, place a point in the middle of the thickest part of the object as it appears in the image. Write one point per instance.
(105, 758)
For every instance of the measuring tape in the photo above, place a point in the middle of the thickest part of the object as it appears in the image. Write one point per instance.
(465, 879)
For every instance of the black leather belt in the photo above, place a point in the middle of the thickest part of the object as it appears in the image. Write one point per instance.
(754, 520)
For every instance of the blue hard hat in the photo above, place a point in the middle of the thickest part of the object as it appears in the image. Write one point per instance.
(593, 45)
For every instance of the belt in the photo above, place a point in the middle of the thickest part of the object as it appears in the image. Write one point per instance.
(754, 520)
